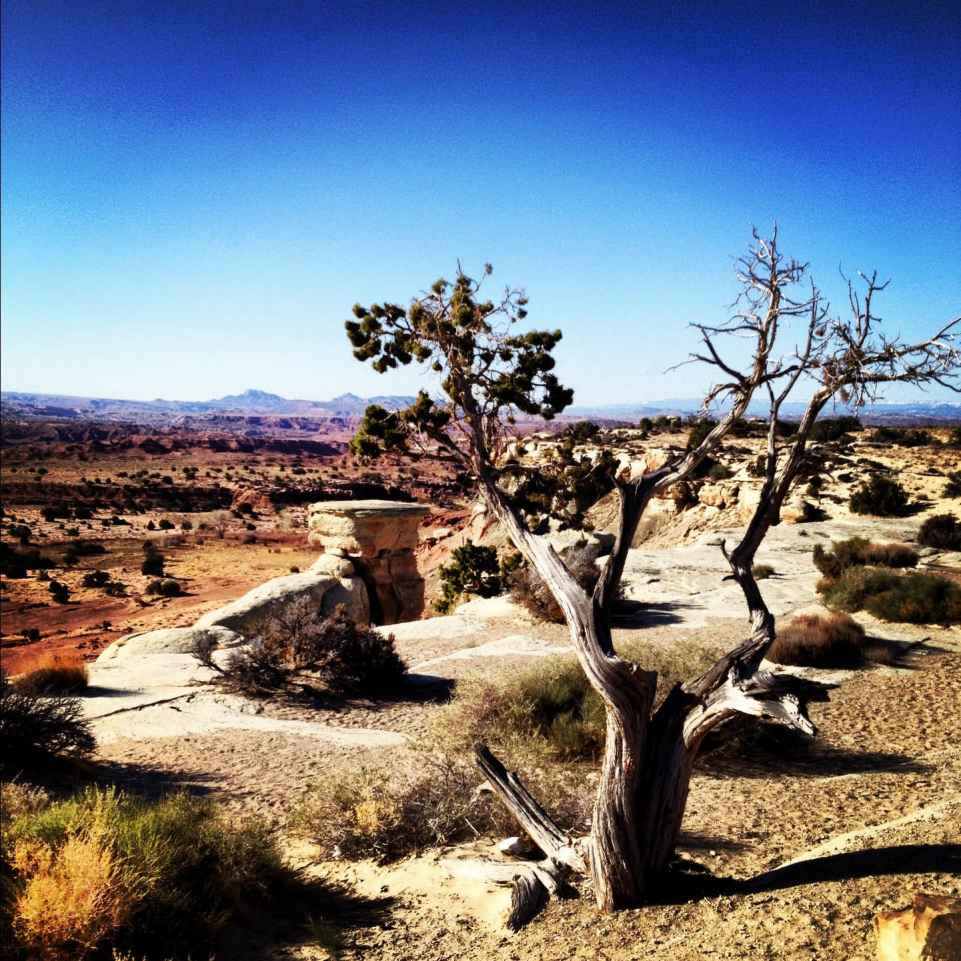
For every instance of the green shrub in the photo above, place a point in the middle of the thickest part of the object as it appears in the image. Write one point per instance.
(834, 640)
(95, 578)
(474, 569)
(880, 496)
(859, 552)
(941, 531)
(953, 486)
(909, 598)
(153, 565)
(15, 563)
(104, 870)
(36, 729)
(530, 590)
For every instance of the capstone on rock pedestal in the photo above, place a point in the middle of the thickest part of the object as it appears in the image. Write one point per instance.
(378, 537)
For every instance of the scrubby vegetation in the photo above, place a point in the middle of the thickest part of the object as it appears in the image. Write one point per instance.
(881, 496)
(550, 710)
(529, 589)
(474, 569)
(762, 572)
(36, 729)
(832, 640)
(860, 552)
(834, 428)
(300, 653)
(903, 437)
(912, 598)
(54, 674)
(105, 872)
(953, 486)
(941, 531)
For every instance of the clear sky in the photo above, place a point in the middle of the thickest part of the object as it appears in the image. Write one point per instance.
(194, 194)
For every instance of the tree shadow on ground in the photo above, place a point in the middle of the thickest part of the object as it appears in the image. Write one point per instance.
(691, 881)
(634, 615)
(756, 750)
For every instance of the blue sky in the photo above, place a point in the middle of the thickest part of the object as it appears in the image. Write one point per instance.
(195, 194)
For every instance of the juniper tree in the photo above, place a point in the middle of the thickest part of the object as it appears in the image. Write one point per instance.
(489, 373)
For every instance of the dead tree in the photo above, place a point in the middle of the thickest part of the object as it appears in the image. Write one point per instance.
(489, 373)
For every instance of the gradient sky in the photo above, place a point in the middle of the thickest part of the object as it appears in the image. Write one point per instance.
(195, 194)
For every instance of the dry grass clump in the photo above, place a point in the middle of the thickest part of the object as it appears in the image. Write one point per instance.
(908, 598)
(550, 711)
(814, 640)
(860, 552)
(941, 531)
(54, 674)
(105, 870)
(762, 572)
(36, 729)
(386, 815)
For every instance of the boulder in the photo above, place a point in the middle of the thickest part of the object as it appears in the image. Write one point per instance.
(596, 543)
(930, 930)
(332, 565)
(797, 510)
(170, 640)
(322, 593)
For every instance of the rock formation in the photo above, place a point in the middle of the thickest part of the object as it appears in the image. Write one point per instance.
(378, 539)
(929, 930)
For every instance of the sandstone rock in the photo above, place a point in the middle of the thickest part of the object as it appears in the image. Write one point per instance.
(332, 565)
(171, 640)
(597, 543)
(321, 592)
(797, 510)
(718, 495)
(379, 537)
(930, 929)
(367, 528)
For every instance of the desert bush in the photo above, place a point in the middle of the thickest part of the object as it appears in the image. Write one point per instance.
(104, 870)
(941, 531)
(832, 640)
(35, 729)
(700, 428)
(59, 592)
(912, 598)
(54, 674)
(881, 496)
(550, 710)
(474, 569)
(903, 437)
(376, 813)
(300, 652)
(834, 428)
(762, 572)
(859, 552)
(164, 587)
(953, 487)
(15, 563)
(153, 564)
(529, 589)
(165, 525)
(720, 471)
(95, 579)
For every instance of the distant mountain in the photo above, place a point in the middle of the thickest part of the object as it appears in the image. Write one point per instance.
(250, 402)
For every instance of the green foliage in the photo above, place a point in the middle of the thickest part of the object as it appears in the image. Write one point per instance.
(474, 569)
(187, 875)
(953, 486)
(942, 531)
(910, 598)
(881, 497)
(858, 552)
